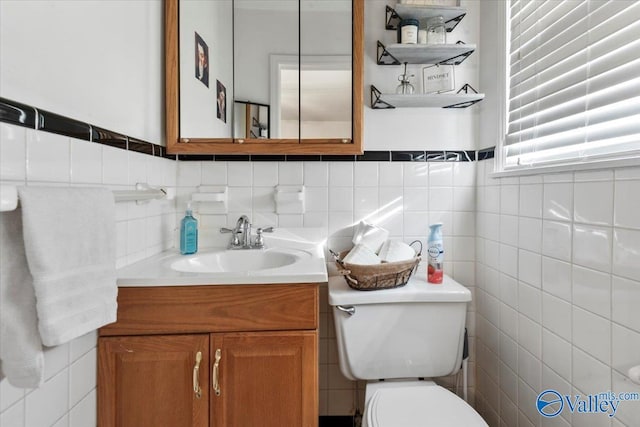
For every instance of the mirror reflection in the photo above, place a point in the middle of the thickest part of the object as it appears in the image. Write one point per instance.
(266, 45)
(292, 69)
(326, 77)
(251, 120)
(206, 68)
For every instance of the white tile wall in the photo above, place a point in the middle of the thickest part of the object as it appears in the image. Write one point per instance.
(29, 157)
(402, 197)
(569, 290)
(555, 259)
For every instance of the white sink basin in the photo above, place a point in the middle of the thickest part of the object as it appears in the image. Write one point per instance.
(293, 255)
(231, 261)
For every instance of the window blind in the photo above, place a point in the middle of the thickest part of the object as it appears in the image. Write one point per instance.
(574, 82)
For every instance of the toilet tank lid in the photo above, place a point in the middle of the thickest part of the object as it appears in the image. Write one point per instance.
(417, 290)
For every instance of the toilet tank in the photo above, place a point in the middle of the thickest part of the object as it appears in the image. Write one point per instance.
(413, 331)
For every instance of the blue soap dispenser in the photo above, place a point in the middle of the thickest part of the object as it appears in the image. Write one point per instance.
(188, 233)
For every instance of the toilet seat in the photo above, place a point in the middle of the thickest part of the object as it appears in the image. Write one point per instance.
(419, 406)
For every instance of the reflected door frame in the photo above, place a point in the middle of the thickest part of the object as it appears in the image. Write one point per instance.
(279, 63)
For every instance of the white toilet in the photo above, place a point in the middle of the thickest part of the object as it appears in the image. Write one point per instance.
(401, 335)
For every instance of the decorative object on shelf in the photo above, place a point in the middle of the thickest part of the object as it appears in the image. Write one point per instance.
(408, 31)
(422, 36)
(405, 87)
(452, 14)
(438, 79)
(436, 32)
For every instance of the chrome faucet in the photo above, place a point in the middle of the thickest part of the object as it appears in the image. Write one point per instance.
(241, 235)
(243, 225)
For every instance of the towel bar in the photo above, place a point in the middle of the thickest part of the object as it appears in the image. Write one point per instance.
(143, 192)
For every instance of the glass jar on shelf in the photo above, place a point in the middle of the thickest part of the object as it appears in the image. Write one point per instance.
(408, 31)
(436, 31)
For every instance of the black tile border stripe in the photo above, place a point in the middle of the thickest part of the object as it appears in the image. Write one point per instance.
(487, 153)
(54, 123)
(195, 157)
(408, 156)
(24, 115)
(107, 137)
(17, 113)
(374, 156)
(140, 146)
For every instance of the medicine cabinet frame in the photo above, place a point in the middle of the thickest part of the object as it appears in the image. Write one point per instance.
(178, 145)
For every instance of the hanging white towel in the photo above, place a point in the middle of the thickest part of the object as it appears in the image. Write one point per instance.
(70, 243)
(20, 345)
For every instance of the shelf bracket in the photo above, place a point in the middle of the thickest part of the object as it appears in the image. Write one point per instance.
(453, 22)
(383, 56)
(377, 103)
(458, 59)
(392, 19)
(466, 88)
(466, 104)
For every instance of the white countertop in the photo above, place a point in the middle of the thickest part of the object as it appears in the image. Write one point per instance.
(311, 268)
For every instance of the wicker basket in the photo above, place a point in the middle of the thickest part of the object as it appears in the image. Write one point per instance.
(380, 276)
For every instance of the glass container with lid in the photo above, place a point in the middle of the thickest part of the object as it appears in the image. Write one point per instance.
(436, 31)
(408, 31)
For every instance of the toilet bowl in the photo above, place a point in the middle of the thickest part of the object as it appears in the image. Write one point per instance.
(401, 335)
(416, 404)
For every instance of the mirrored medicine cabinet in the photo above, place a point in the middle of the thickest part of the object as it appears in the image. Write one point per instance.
(264, 76)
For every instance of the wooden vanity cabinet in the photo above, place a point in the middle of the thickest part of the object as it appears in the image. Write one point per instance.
(148, 381)
(267, 379)
(267, 364)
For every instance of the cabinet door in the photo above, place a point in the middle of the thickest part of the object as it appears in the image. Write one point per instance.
(266, 379)
(149, 381)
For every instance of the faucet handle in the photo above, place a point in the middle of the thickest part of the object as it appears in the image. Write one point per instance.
(259, 243)
(235, 240)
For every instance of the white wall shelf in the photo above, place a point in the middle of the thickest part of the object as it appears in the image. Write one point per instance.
(381, 101)
(452, 14)
(442, 54)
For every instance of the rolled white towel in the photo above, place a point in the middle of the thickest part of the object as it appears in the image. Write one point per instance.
(369, 235)
(396, 250)
(361, 255)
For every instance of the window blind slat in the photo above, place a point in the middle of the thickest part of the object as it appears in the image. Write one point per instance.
(616, 65)
(557, 107)
(530, 39)
(574, 83)
(620, 22)
(554, 25)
